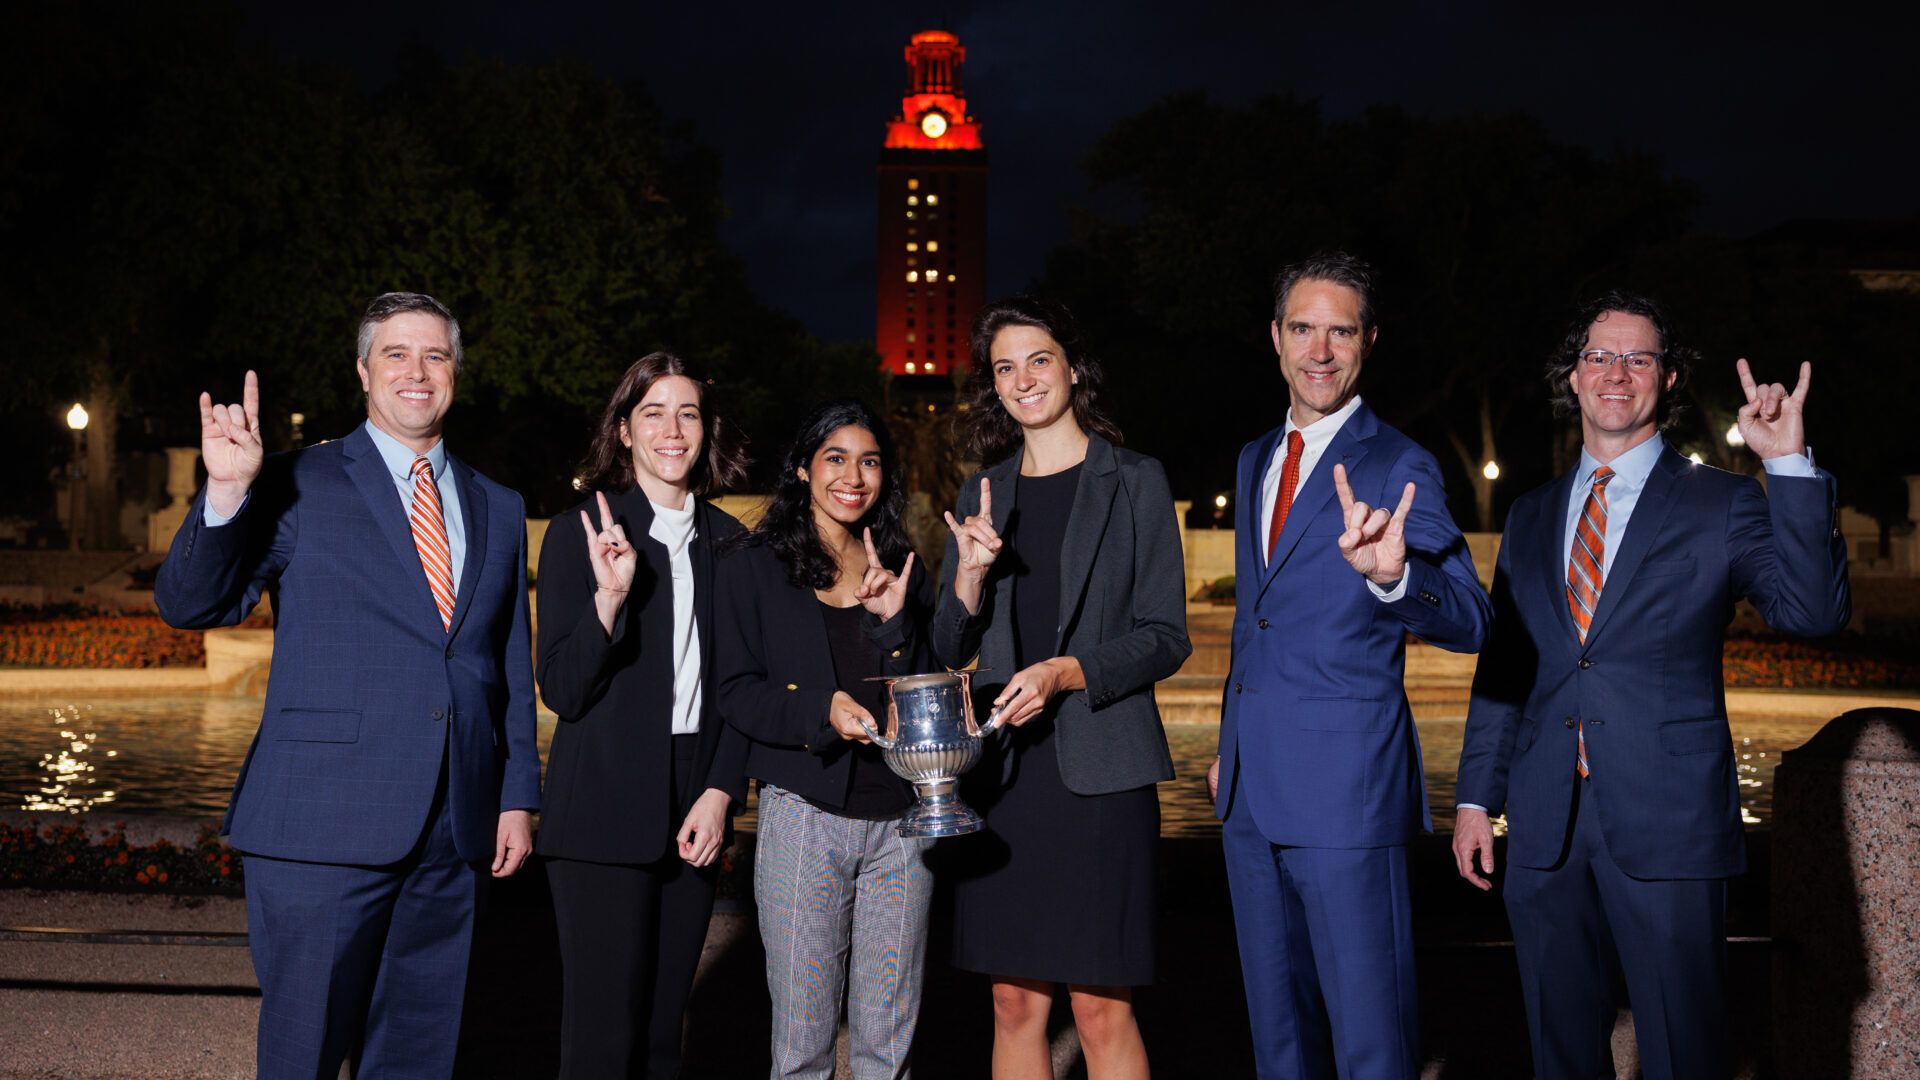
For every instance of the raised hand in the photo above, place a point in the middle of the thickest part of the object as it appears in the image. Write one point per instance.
(613, 560)
(1772, 420)
(230, 446)
(882, 591)
(978, 542)
(1375, 543)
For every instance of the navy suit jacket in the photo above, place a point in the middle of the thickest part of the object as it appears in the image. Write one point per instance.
(368, 692)
(1647, 682)
(1315, 732)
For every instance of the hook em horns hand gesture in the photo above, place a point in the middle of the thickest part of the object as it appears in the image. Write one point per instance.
(979, 544)
(613, 558)
(1375, 542)
(230, 445)
(1771, 421)
(882, 591)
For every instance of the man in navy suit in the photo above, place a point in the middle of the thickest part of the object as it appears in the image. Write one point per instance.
(1319, 785)
(395, 762)
(1598, 720)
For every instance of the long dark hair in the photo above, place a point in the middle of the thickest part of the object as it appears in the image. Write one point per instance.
(991, 433)
(723, 455)
(1675, 355)
(788, 526)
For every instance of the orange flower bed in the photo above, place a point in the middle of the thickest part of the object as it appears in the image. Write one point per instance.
(1828, 664)
(70, 856)
(80, 636)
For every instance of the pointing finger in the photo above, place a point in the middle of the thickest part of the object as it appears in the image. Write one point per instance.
(250, 401)
(1806, 380)
(1746, 377)
(906, 571)
(986, 499)
(1346, 492)
(206, 408)
(873, 557)
(1400, 512)
(606, 512)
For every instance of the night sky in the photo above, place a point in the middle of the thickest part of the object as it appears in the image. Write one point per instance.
(1773, 117)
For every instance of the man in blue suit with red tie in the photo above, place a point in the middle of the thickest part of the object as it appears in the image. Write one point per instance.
(1319, 785)
(395, 762)
(1598, 721)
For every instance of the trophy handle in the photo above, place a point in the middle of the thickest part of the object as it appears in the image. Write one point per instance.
(993, 722)
(879, 740)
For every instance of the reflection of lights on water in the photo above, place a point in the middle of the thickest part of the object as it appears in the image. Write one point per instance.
(66, 787)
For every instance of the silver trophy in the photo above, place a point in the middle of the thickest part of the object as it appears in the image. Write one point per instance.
(930, 740)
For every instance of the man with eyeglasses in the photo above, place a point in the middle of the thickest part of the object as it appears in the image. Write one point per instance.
(1598, 721)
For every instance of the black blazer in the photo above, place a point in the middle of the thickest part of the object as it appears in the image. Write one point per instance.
(609, 773)
(1123, 610)
(775, 670)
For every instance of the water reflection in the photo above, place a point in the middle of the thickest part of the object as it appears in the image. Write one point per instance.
(180, 756)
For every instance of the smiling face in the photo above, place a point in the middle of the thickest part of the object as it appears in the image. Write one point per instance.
(1321, 347)
(1032, 377)
(408, 376)
(1619, 410)
(845, 478)
(665, 434)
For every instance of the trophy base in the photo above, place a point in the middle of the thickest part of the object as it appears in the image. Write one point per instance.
(939, 812)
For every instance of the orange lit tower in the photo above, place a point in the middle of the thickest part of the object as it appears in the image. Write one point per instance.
(933, 217)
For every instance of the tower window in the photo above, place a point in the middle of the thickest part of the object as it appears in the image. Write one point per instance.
(932, 245)
(912, 184)
(914, 200)
(933, 200)
(913, 275)
(916, 247)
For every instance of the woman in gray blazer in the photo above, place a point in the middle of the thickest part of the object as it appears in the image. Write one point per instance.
(1064, 579)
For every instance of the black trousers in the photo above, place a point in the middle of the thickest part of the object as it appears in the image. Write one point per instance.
(630, 939)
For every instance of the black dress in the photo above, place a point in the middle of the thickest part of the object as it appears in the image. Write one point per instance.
(1058, 887)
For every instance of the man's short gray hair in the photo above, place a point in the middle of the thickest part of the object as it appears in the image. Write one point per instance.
(387, 305)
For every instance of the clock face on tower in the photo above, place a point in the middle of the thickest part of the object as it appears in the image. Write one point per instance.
(933, 125)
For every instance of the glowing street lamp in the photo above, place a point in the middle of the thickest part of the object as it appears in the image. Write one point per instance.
(76, 477)
(1491, 471)
(1734, 438)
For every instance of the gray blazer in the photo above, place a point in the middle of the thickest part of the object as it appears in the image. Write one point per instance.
(1123, 610)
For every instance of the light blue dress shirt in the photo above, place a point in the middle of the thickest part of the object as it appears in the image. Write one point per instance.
(399, 462)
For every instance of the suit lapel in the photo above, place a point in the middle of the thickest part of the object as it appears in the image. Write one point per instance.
(1553, 559)
(369, 473)
(1649, 516)
(1086, 525)
(1254, 536)
(473, 511)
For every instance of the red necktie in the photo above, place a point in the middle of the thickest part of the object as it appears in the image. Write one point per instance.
(1583, 572)
(430, 537)
(1283, 499)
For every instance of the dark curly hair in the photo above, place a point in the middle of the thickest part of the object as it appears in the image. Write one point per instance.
(1335, 266)
(1675, 356)
(788, 525)
(991, 433)
(723, 456)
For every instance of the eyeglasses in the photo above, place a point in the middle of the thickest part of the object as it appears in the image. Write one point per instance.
(1637, 362)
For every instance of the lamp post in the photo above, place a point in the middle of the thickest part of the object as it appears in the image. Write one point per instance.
(76, 477)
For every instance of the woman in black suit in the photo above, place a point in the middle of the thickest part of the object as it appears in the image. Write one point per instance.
(813, 609)
(643, 776)
(1065, 580)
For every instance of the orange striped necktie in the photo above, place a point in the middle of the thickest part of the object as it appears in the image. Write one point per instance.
(1584, 576)
(430, 537)
(1283, 498)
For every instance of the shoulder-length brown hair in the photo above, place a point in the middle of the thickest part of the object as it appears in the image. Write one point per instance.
(723, 460)
(991, 432)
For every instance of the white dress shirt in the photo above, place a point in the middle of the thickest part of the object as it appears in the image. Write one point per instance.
(674, 529)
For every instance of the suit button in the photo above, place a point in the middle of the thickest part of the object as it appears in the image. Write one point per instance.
(436, 714)
(793, 686)
(1572, 723)
(449, 652)
(1585, 663)
(1264, 624)
(1236, 688)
